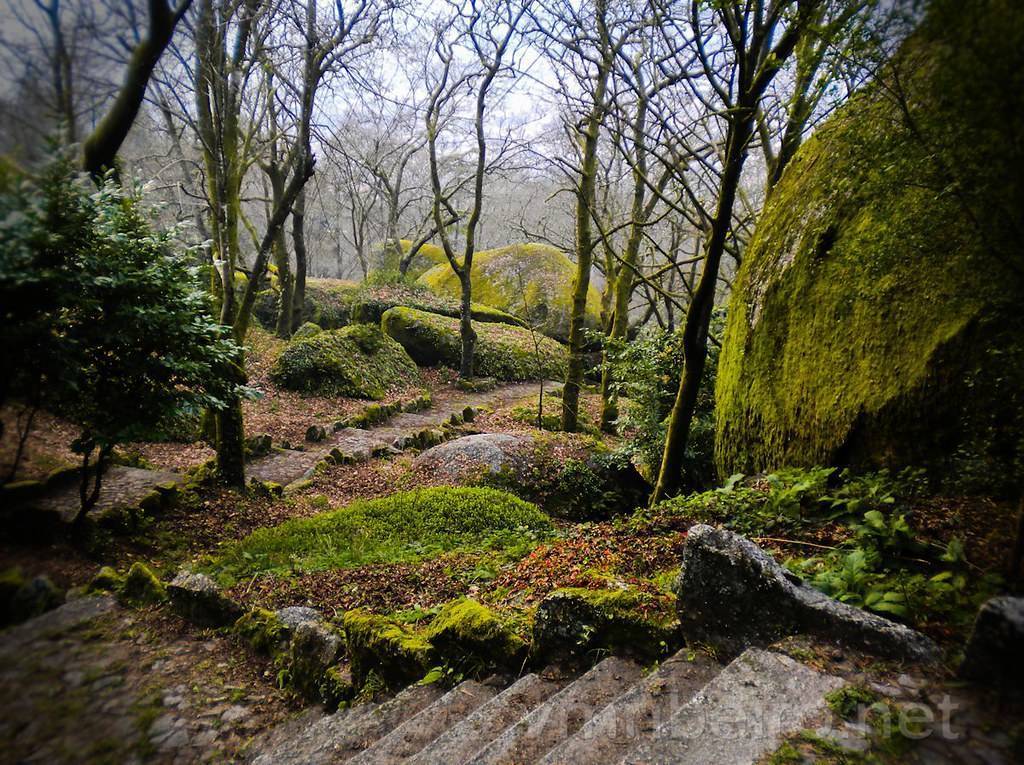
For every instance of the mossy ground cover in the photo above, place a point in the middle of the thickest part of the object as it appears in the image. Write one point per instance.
(407, 526)
(502, 351)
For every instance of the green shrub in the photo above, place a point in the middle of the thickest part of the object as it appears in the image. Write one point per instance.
(406, 526)
(502, 351)
(646, 372)
(359, 361)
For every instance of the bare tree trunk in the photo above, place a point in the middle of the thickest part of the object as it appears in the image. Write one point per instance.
(102, 145)
(585, 198)
(466, 331)
(698, 317)
(301, 262)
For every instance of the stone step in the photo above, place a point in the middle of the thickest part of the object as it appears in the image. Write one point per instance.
(346, 733)
(418, 731)
(632, 718)
(741, 715)
(561, 715)
(469, 736)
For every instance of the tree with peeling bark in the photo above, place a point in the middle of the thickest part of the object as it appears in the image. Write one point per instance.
(488, 31)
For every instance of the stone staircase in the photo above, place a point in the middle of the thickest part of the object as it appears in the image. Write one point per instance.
(688, 711)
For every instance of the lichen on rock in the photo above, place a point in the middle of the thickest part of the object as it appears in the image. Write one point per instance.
(572, 622)
(532, 281)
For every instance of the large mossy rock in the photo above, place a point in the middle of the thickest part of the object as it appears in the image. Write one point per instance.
(502, 351)
(336, 303)
(876, 319)
(532, 281)
(359, 361)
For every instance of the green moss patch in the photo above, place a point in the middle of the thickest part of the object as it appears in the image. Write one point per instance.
(358, 361)
(502, 351)
(142, 586)
(407, 526)
(382, 646)
(470, 635)
(263, 631)
(532, 281)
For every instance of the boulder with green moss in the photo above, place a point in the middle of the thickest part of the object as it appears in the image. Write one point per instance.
(876, 317)
(22, 598)
(502, 351)
(142, 586)
(468, 634)
(358, 361)
(315, 647)
(307, 330)
(382, 646)
(572, 622)
(263, 631)
(532, 281)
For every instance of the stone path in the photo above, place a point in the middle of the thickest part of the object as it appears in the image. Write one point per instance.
(91, 682)
(286, 466)
(126, 488)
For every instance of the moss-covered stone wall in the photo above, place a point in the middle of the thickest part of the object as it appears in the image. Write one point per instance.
(876, 318)
(532, 281)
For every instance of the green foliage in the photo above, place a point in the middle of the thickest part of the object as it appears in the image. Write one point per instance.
(502, 351)
(359, 361)
(844, 702)
(102, 321)
(406, 526)
(876, 317)
(646, 371)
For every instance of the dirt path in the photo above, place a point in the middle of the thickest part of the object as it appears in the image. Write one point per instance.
(285, 466)
(126, 487)
(92, 682)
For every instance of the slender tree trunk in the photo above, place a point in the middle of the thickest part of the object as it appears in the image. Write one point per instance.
(466, 331)
(301, 262)
(102, 145)
(584, 261)
(698, 317)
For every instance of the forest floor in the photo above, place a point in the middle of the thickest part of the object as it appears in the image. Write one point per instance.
(121, 685)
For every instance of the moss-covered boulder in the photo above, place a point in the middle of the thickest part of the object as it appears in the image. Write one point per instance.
(876, 318)
(572, 622)
(142, 586)
(382, 646)
(532, 281)
(502, 351)
(335, 303)
(470, 635)
(359, 361)
(307, 330)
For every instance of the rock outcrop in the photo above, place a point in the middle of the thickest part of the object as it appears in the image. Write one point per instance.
(532, 281)
(732, 595)
(995, 652)
(472, 457)
(876, 318)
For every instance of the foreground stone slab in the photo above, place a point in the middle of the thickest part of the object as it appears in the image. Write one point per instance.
(741, 715)
(733, 595)
(197, 598)
(995, 652)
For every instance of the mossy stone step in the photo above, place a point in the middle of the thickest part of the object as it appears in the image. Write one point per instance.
(346, 733)
(741, 715)
(561, 715)
(632, 718)
(463, 740)
(418, 731)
